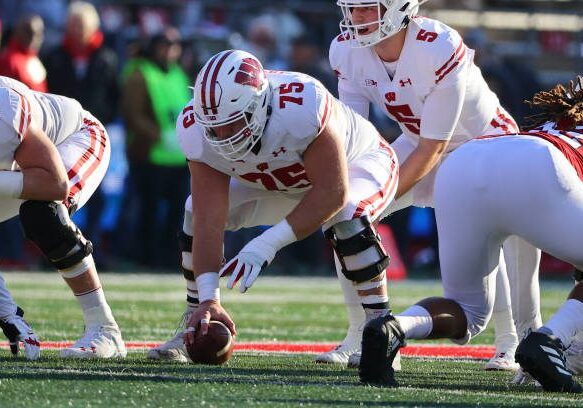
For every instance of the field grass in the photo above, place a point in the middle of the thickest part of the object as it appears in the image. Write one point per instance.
(276, 309)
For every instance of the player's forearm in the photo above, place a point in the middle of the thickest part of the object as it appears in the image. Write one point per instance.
(207, 250)
(317, 207)
(415, 167)
(43, 185)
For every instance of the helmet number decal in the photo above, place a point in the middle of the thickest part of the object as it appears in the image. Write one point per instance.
(284, 89)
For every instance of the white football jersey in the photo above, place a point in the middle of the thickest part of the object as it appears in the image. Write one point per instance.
(58, 116)
(434, 61)
(300, 109)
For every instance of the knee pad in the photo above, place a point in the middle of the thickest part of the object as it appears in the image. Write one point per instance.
(358, 247)
(48, 225)
(185, 246)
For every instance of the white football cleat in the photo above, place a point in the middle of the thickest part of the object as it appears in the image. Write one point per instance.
(574, 355)
(174, 349)
(99, 341)
(341, 353)
(354, 361)
(17, 330)
(503, 361)
(523, 378)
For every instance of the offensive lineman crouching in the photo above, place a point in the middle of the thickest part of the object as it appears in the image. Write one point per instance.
(275, 148)
(54, 155)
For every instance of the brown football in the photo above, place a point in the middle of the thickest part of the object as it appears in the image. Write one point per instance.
(216, 347)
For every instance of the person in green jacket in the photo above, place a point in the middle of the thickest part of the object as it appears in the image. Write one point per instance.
(154, 90)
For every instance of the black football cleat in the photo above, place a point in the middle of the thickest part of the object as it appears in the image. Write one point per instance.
(381, 340)
(543, 357)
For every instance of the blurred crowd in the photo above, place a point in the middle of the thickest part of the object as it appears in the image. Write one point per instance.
(130, 64)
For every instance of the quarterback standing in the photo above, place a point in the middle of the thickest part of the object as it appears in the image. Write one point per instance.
(54, 155)
(421, 74)
(539, 173)
(276, 148)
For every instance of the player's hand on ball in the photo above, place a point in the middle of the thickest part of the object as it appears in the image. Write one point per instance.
(246, 266)
(207, 311)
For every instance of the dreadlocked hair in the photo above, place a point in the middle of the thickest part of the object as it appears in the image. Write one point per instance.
(560, 104)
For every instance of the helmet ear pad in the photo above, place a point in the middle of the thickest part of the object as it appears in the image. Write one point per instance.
(232, 86)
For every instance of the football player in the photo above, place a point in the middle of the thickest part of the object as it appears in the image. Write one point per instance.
(421, 74)
(276, 148)
(540, 175)
(54, 155)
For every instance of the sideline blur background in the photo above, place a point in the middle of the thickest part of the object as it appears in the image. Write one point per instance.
(521, 46)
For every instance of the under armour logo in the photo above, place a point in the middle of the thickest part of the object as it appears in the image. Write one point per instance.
(276, 153)
(403, 82)
(370, 82)
(262, 166)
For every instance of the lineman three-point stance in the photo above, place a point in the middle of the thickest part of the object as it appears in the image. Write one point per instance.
(539, 175)
(275, 148)
(54, 155)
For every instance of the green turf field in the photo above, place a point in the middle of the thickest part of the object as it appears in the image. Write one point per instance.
(148, 307)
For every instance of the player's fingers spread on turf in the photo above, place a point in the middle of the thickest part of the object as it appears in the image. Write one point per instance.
(228, 268)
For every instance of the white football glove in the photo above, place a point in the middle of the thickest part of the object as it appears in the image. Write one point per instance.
(257, 255)
(17, 330)
(249, 262)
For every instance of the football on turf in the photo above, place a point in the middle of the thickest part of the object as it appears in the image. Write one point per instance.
(216, 347)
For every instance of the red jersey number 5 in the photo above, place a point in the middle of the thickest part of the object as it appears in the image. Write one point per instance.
(403, 114)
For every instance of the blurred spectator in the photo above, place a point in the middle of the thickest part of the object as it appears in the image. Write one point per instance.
(53, 13)
(306, 56)
(511, 79)
(155, 89)
(83, 68)
(262, 42)
(19, 60)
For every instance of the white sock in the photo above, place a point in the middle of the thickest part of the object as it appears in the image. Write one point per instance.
(506, 337)
(566, 322)
(354, 309)
(416, 322)
(95, 307)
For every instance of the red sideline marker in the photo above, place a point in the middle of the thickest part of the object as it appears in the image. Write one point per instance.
(421, 350)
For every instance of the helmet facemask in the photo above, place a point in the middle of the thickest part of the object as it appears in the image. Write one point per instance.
(230, 88)
(238, 145)
(392, 16)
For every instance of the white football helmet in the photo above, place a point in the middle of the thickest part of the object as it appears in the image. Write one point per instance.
(232, 86)
(396, 15)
